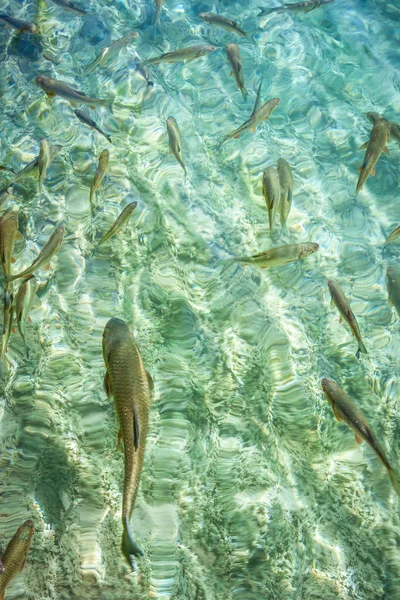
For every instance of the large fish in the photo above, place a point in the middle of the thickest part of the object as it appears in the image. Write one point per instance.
(111, 51)
(84, 118)
(69, 6)
(18, 23)
(262, 114)
(345, 410)
(23, 304)
(119, 222)
(287, 183)
(393, 285)
(128, 382)
(31, 168)
(8, 234)
(277, 256)
(271, 190)
(394, 128)
(183, 54)
(306, 6)
(174, 140)
(233, 56)
(98, 178)
(221, 21)
(53, 87)
(15, 555)
(49, 250)
(374, 147)
(343, 306)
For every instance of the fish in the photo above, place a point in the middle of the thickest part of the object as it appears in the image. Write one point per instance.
(277, 256)
(44, 162)
(346, 410)
(88, 121)
(159, 5)
(8, 315)
(182, 54)
(69, 6)
(394, 128)
(393, 286)
(131, 386)
(393, 235)
(23, 304)
(174, 139)
(119, 222)
(8, 234)
(258, 99)
(101, 171)
(271, 190)
(306, 6)
(223, 22)
(45, 255)
(18, 23)
(286, 182)
(31, 168)
(343, 306)
(374, 147)
(111, 51)
(233, 56)
(143, 70)
(262, 114)
(14, 557)
(53, 87)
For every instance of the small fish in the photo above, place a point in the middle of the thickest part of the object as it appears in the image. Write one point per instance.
(23, 304)
(343, 306)
(159, 5)
(69, 6)
(44, 162)
(374, 147)
(111, 51)
(271, 190)
(31, 168)
(275, 257)
(128, 382)
(233, 56)
(262, 114)
(306, 6)
(8, 234)
(183, 54)
(88, 121)
(393, 285)
(223, 22)
(98, 178)
(53, 87)
(49, 250)
(393, 235)
(394, 128)
(174, 139)
(119, 223)
(258, 99)
(287, 183)
(345, 409)
(14, 557)
(18, 23)
(8, 316)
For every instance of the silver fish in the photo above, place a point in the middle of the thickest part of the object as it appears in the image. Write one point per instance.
(306, 6)
(174, 138)
(98, 178)
(233, 56)
(183, 54)
(53, 87)
(84, 118)
(31, 168)
(23, 304)
(343, 306)
(262, 114)
(223, 22)
(111, 51)
(286, 181)
(271, 190)
(44, 162)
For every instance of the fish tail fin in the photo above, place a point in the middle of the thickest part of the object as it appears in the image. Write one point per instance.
(128, 546)
(244, 93)
(226, 263)
(265, 11)
(395, 479)
(361, 349)
(108, 103)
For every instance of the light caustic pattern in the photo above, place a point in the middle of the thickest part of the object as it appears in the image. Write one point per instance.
(250, 488)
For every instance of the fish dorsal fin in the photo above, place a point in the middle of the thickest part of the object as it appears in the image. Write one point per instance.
(135, 427)
(19, 236)
(258, 99)
(150, 381)
(363, 146)
(386, 150)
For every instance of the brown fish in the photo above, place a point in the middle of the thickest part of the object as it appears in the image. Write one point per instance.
(45, 255)
(15, 555)
(8, 234)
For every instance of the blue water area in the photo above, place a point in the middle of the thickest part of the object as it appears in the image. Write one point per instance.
(251, 489)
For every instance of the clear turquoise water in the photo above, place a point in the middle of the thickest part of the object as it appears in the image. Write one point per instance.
(250, 489)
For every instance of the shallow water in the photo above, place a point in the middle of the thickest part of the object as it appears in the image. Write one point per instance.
(250, 489)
